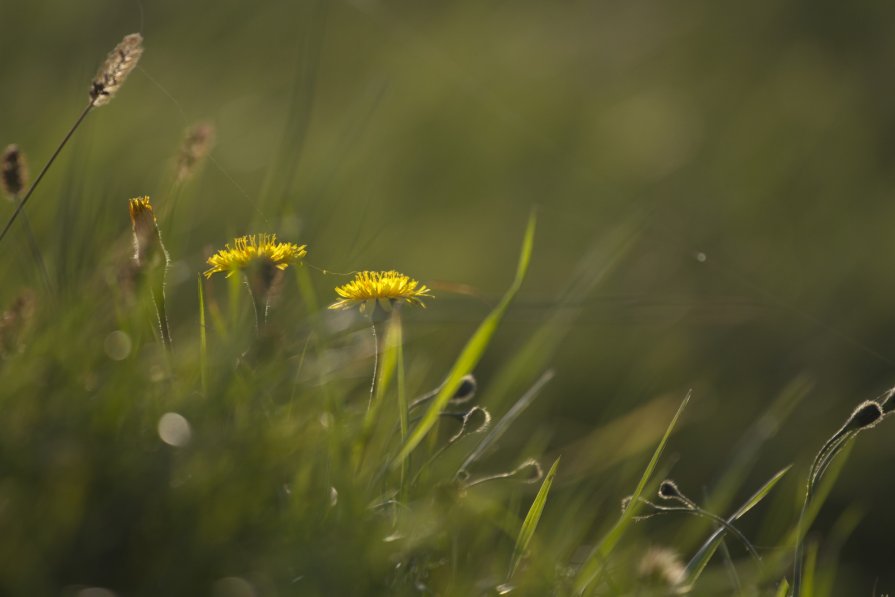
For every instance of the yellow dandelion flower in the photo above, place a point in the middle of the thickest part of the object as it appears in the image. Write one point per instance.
(386, 288)
(260, 249)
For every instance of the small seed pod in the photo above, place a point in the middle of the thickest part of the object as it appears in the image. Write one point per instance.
(466, 391)
(668, 490)
(865, 416)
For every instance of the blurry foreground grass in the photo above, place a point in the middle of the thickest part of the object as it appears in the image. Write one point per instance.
(167, 434)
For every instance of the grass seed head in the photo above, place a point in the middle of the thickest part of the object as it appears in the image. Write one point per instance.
(865, 416)
(13, 172)
(197, 144)
(668, 490)
(466, 391)
(117, 66)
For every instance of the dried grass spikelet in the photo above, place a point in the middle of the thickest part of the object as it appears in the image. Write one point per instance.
(196, 145)
(118, 65)
(663, 566)
(13, 172)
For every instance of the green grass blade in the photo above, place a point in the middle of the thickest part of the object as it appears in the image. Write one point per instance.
(530, 524)
(591, 567)
(761, 493)
(234, 290)
(203, 339)
(699, 561)
(307, 291)
(783, 589)
(505, 421)
(473, 351)
(810, 570)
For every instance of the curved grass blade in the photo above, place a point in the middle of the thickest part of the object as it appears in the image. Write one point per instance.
(473, 350)
(505, 421)
(530, 524)
(783, 588)
(699, 561)
(594, 563)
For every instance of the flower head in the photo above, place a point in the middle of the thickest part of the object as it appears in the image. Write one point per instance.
(255, 249)
(386, 288)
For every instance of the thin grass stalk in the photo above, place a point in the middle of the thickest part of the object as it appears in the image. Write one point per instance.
(474, 349)
(403, 409)
(43, 171)
(13, 180)
(375, 365)
(259, 309)
(866, 415)
(111, 76)
(694, 510)
(530, 524)
(700, 559)
(161, 310)
(36, 253)
(595, 564)
(203, 338)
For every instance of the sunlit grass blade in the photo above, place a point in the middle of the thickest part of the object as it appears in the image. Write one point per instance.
(744, 455)
(234, 291)
(699, 561)
(307, 291)
(473, 351)
(821, 492)
(591, 567)
(537, 352)
(810, 570)
(505, 421)
(530, 524)
(783, 588)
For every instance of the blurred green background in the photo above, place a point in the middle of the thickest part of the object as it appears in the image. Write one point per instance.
(716, 176)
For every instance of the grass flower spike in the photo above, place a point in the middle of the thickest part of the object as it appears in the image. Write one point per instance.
(108, 80)
(118, 65)
(386, 288)
(255, 249)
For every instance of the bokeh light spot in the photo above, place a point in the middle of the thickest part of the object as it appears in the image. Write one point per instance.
(174, 430)
(117, 345)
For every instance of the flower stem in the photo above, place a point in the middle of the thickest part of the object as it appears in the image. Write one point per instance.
(43, 171)
(375, 362)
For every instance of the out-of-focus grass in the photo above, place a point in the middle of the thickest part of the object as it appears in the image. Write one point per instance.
(713, 188)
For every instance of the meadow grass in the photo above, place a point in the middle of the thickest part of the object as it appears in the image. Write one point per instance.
(262, 437)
